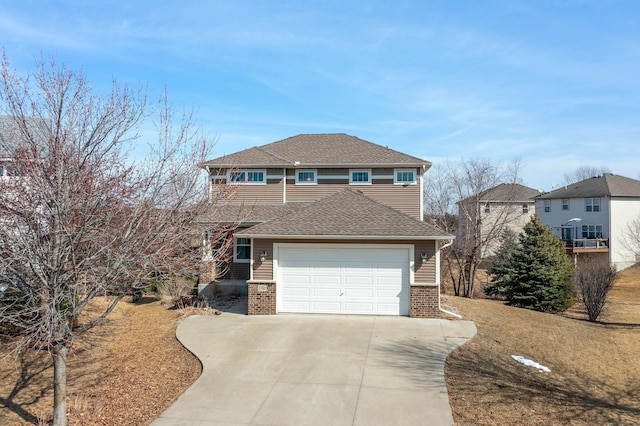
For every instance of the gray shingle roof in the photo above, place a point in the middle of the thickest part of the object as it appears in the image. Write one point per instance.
(511, 192)
(318, 150)
(599, 186)
(247, 214)
(347, 213)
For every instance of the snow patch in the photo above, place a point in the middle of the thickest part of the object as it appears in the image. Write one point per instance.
(530, 363)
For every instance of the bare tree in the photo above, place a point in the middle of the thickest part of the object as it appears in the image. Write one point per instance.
(79, 219)
(584, 172)
(458, 189)
(594, 277)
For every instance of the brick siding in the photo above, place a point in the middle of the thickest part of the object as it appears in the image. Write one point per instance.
(424, 301)
(261, 297)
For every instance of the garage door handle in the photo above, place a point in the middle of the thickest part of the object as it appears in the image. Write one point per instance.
(341, 294)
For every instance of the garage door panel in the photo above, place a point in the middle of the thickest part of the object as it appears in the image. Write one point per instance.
(359, 292)
(327, 291)
(296, 291)
(382, 293)
(327, 307)
(364, 280)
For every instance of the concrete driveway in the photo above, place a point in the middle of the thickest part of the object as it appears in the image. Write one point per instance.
(317, 370)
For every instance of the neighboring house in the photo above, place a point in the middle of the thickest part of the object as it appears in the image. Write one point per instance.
(330, 223)
(592, 216)
(488, 213)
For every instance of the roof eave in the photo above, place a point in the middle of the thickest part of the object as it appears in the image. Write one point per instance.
(349, 237)
(423, 166)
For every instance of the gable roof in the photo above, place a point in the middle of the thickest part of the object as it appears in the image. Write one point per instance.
(346, 214)
(318, 150)
(511, 192)
(598, 186)
(506, 192)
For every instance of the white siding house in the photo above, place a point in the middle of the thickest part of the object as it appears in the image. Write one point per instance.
(592, 216)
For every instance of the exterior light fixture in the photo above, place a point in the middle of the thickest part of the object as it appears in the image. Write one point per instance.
(423, 256)
(263, 256)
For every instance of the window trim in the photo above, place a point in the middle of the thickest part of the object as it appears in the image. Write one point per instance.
(352, 171)
(403, 182)
(244, 181)
(236, 244)
(306, 182)
(591, 203)
(567, 204)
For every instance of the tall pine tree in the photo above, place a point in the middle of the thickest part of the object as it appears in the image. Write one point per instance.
(539, 273)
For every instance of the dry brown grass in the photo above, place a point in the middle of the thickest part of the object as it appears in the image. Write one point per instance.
(127, 371)
(595, 368)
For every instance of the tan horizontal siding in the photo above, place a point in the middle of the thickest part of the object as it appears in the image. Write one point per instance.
(262, 270)
(269, 193)
(425, 272)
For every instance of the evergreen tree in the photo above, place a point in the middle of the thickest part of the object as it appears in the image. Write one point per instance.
(539, 273)
(501, 265)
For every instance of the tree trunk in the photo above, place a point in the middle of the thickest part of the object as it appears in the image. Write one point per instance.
(59, 384)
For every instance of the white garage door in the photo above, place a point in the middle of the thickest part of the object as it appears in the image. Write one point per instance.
(349, 280)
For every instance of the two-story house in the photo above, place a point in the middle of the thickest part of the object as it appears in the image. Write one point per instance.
(592, 216)
(486, 214)
(331, 224)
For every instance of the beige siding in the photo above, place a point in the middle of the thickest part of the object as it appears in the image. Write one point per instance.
(262, 270)
(425, 272)
(269, 193)
(406, 199)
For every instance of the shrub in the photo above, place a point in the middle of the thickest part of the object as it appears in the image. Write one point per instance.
(594, 277)
(176, 291)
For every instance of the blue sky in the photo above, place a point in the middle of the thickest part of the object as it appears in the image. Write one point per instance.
(554, 83)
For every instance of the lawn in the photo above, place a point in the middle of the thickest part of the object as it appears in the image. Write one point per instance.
(595, 367)
(127, 371)
(132, 367)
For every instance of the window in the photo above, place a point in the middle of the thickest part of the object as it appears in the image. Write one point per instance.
(547, 206)
(525, 208)
(487, 208)
(242, 250)
(404, 176)
(591, 231)
(565, 204)
(359, 177)
(593, 204)
(306, 177)
(248, 177)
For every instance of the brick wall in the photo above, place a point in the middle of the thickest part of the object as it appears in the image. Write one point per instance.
(424, 301)
(261, 297)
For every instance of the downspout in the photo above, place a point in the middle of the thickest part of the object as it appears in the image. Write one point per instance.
(453, 314)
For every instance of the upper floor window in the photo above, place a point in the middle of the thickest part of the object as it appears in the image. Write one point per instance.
(592, 204)
(565, 204)
(404, 176)
(248, 176)
(242, 250)
(525, 208)
(359, 177)
(487, 208)
(547, 206)
(306, 177)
